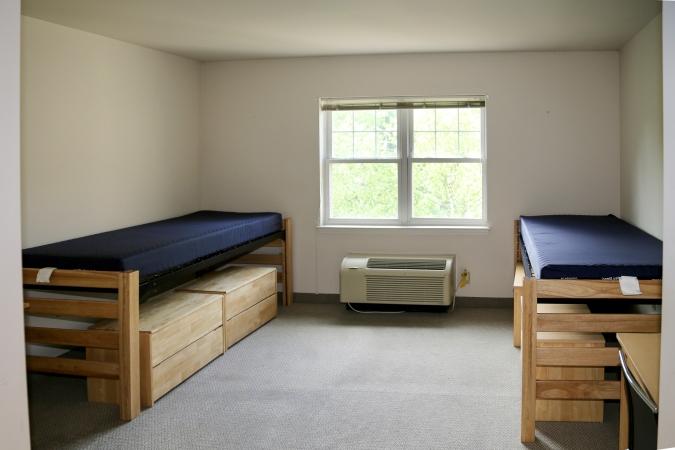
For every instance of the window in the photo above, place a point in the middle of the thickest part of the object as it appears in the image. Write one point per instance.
(403, 161)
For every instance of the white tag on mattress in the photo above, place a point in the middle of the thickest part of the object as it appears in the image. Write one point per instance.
(44, 274)
(629, 285)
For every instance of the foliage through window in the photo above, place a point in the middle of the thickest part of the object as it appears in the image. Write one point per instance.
(403, 161)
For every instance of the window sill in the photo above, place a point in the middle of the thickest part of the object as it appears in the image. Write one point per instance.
(413, 229)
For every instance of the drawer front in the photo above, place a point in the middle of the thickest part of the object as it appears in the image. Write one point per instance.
(248, 295)
(180, 366)
(184, 331)
(250, 320)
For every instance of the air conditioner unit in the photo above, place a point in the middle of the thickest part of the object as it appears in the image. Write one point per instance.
(409, 280)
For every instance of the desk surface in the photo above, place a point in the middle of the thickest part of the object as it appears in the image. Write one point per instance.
(643, 353)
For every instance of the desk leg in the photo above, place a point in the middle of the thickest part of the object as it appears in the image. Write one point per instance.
(623, 416)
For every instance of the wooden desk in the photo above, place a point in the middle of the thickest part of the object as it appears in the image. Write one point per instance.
(643, 354)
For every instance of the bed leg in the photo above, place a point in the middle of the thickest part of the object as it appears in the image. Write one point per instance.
(287, 268)
(528, 355)
(129, 375)
(517, 311)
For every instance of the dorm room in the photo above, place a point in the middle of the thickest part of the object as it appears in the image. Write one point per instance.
(368, 225)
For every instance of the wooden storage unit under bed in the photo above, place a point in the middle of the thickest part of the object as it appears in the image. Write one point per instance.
(528, 322)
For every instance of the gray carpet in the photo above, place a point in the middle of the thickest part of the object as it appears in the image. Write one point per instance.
(321, 377)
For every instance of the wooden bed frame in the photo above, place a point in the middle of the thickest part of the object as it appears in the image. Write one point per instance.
(527, 292)
(128, 292)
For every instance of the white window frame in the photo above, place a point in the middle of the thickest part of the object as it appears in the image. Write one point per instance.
(404, 163)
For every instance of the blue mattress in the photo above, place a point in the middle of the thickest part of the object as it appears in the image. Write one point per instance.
(156, 247)
(589, 247)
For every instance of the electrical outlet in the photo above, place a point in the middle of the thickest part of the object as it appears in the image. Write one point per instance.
(464, 278)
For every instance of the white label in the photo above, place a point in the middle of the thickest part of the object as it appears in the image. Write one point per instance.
(629, 285)
(44, 274)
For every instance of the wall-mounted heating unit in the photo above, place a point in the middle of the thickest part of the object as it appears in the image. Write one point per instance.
(409, 280)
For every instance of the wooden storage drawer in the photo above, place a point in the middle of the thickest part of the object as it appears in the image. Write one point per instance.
(176, 334)
(249, 298)
(176, 339)
(250, 320)
(242, 287)
(179, 367)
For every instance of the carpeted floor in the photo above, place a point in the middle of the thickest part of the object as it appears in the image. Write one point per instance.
(320, 377)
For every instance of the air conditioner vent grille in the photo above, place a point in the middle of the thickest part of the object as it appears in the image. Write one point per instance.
(402, 264)
(404, 289)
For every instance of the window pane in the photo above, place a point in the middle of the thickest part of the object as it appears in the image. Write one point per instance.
(447, 145)
(424, 145)
(386, 144)
(386, 120)
(446, 119)
(343, 145)
(342, 120)
(364, 145)
(364, 191)
(424, 119)
(447, 190)
(364, 120)
(469, 119)
(469, 144)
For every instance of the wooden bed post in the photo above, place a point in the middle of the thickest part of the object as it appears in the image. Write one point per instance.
(287, 262)
(129, 391)
(529, 361)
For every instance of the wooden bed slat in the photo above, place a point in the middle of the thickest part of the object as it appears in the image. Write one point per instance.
(651, 289)
(578, 390)
(103, 309)
(258, 258)
(577, 357)
(80, 338)
(74, 278)
(277, 243)
(67, 366)
(600, 323)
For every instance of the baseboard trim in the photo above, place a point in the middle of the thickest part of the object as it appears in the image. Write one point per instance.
(306, 297)
(484, 302)
(460, 302)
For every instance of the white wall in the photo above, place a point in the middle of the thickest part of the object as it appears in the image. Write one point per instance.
(14, 409)
(552, 137)
(642, 130)
(667, 385)
(110, 134)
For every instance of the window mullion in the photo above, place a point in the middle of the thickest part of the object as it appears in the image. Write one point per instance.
(410, 128)
(325, 167)
(403, 184)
